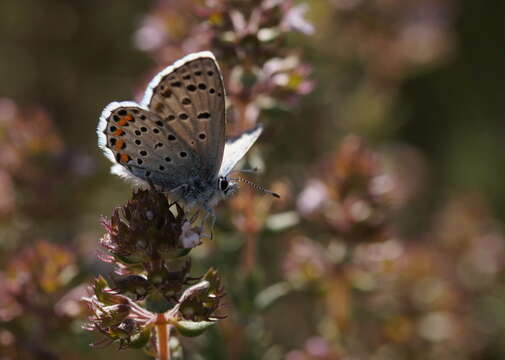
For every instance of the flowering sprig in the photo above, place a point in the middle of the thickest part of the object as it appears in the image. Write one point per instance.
(249, 39)
(151, 292)
(355, 196)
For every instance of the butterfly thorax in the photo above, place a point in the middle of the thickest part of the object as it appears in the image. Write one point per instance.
(197, 191)
(205, 193)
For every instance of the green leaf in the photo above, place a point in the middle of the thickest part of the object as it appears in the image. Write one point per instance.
(192, 328)
(140, 340)
(183, 252)
(270, 295)
(157, 303)
(129, 260)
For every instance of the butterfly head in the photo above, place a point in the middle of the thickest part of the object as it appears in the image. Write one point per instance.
(226, 187)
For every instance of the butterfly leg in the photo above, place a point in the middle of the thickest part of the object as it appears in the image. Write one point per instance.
(151, 185)
(212, 223)
(176, 193)
(209, 213)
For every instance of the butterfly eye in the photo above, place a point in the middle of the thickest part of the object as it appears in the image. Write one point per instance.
(223, 184)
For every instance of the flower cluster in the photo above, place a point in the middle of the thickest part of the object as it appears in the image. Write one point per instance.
(151, 291)
(396, 37)
(145, 230)
(249, 41)
(27, 138)
(354, 197)
(402, 297)
(31, 275)
(31, 286)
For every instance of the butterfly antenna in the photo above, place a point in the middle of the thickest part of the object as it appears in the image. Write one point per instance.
(257, 187)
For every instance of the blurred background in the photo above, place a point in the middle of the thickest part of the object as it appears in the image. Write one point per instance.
(384, 134)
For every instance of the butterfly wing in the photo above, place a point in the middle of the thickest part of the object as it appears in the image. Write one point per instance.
(236, 148)
(189, 97)
(145, 147)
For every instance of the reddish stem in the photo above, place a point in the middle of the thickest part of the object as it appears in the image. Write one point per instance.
(163, 333)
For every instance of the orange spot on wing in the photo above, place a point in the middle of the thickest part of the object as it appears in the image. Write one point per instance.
(118, 132)
(124, 158)
(124, 120)
(119, 144)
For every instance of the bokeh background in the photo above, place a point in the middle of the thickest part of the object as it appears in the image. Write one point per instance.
(384, 135)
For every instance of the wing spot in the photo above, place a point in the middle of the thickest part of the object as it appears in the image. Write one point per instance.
(122, 112)
(186, 101)
(148, 173)
(210, 73)
(219, 94)
(138, 142)
(183, 154)
(167, 159)
(212, 90)
(120, 145)
(112, 141)
(183, 116)
(116, 118)
(186, 77)
(171, 117)
(143, 129)
(176, 84)
(162, 167)
(159, 123)
(124, 158)
(139, 161)
(156, 130)
(124, 120)
(143, 153)
(204, 115)
(202, 86)
(118, 132)
(191, 87)
(198, 73)
(142, 117)
(158, 145)
(202, 136)
(113, 128)
(171, 137)
(135, 111)
(167, 93)
(137, 132)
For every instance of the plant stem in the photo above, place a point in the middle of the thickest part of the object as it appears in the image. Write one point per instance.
(249, 253)
(163, 333)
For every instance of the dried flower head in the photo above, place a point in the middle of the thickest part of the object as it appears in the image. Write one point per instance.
(151, 291)
(145, 230)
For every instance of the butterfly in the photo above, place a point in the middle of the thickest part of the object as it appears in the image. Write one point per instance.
(175, 138)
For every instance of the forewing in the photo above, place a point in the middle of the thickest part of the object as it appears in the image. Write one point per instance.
(189, 97)
(145, 146)
(236, 148)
